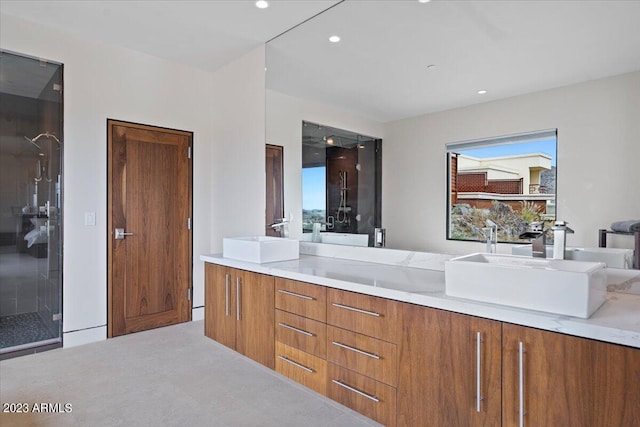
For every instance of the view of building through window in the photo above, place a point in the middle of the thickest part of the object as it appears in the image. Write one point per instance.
(508, 181)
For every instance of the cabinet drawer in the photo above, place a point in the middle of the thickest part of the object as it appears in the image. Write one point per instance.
(368, 356)
(362, 394)
(372, 316)
(308, 370)
(301, 298)
(299, 332)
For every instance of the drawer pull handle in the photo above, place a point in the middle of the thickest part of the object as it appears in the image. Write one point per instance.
(296, 364)
(226, 294)
(293, 294)
(521, 384)
(302, 331)
(478, 371)
(365, 353)
(346, 307)
(355, 390)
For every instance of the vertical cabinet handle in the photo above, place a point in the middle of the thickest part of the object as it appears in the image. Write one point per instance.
(226, 294)
(238, 283)
(521, 384)
(478, 370)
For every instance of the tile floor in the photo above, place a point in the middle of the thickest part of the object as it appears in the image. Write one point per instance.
(173, 376)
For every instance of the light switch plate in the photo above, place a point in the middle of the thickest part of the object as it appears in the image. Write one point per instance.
(89, 219)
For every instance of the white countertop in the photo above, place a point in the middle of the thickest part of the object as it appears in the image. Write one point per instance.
(616, 321)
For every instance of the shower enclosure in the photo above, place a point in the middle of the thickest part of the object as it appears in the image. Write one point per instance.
(30, 204)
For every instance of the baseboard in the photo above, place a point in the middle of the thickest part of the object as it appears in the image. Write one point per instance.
(197, 313)
(84, 336)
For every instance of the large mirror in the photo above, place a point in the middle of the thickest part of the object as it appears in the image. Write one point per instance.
(340, 185)
(422, 75)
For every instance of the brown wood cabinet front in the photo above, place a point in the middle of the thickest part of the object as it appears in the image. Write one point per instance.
(552, 379)
(219, 307)
(368, 315)
(305, 334)
(305, 368)
(445, 360)
(239, 311)
(302, 298)
(372, 357)
(362, 394)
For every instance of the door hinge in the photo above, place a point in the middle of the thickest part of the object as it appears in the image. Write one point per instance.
(189, 294)
(188, 223)
(188, 152)
(56, 317)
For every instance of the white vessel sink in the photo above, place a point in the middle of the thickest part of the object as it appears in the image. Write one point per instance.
(612, 257)
(260, 249)
(573, 288)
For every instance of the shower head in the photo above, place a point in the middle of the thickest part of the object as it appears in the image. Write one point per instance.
(46, 135)
(31, 141)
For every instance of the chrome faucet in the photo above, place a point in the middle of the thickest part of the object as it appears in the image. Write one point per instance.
(282, 226)
(491, 232)
(560, 231)
(536, 233)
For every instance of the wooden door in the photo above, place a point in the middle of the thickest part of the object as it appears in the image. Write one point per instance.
(568, 381)
(149, 196)
(255, 334)
(438, 369)
(274, 211)
(220, 304)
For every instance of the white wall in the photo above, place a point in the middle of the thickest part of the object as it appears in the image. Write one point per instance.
(237, 178)
(598, 160)
(284, 127)
(105, 82)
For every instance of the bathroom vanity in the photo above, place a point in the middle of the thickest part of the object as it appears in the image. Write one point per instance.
(384, 339)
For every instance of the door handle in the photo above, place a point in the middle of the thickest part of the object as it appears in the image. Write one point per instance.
(120, 234)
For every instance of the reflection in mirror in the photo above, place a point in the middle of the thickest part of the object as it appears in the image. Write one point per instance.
(340, 184)
(501, 185)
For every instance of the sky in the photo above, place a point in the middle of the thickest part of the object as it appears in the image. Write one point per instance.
(546, 146)
(313, 188)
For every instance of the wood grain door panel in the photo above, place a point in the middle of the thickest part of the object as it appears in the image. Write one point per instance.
(149, 271)
(220, 305)
(568, 381)
(255, 333)
(438, 369)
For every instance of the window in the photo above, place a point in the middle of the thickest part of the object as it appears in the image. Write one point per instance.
(509, 181)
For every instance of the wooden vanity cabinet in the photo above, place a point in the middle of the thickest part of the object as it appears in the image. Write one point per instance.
(555, 379)
(301, 333)
(239, 311)
(445, 359)
(362, 336)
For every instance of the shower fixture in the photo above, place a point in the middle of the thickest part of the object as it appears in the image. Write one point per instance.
(42, 135)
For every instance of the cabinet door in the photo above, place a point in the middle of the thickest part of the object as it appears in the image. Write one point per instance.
(555, 379)
(255, 336)
(219, 305)
(441, 368)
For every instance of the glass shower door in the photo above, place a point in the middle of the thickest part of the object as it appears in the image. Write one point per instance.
(30, 204)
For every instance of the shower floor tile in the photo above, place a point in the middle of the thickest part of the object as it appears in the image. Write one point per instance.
(23, 329)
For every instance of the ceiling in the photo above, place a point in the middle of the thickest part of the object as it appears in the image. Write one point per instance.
(380, 67)
(203, 34)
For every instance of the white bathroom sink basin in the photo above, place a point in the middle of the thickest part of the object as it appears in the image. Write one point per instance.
(573, 288)
(612, 257)
(260, 249)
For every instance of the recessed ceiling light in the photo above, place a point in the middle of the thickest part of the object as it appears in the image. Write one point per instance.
(334, 39)
(330, 140)
(482, 92)
(424, 1)
(262, 4)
